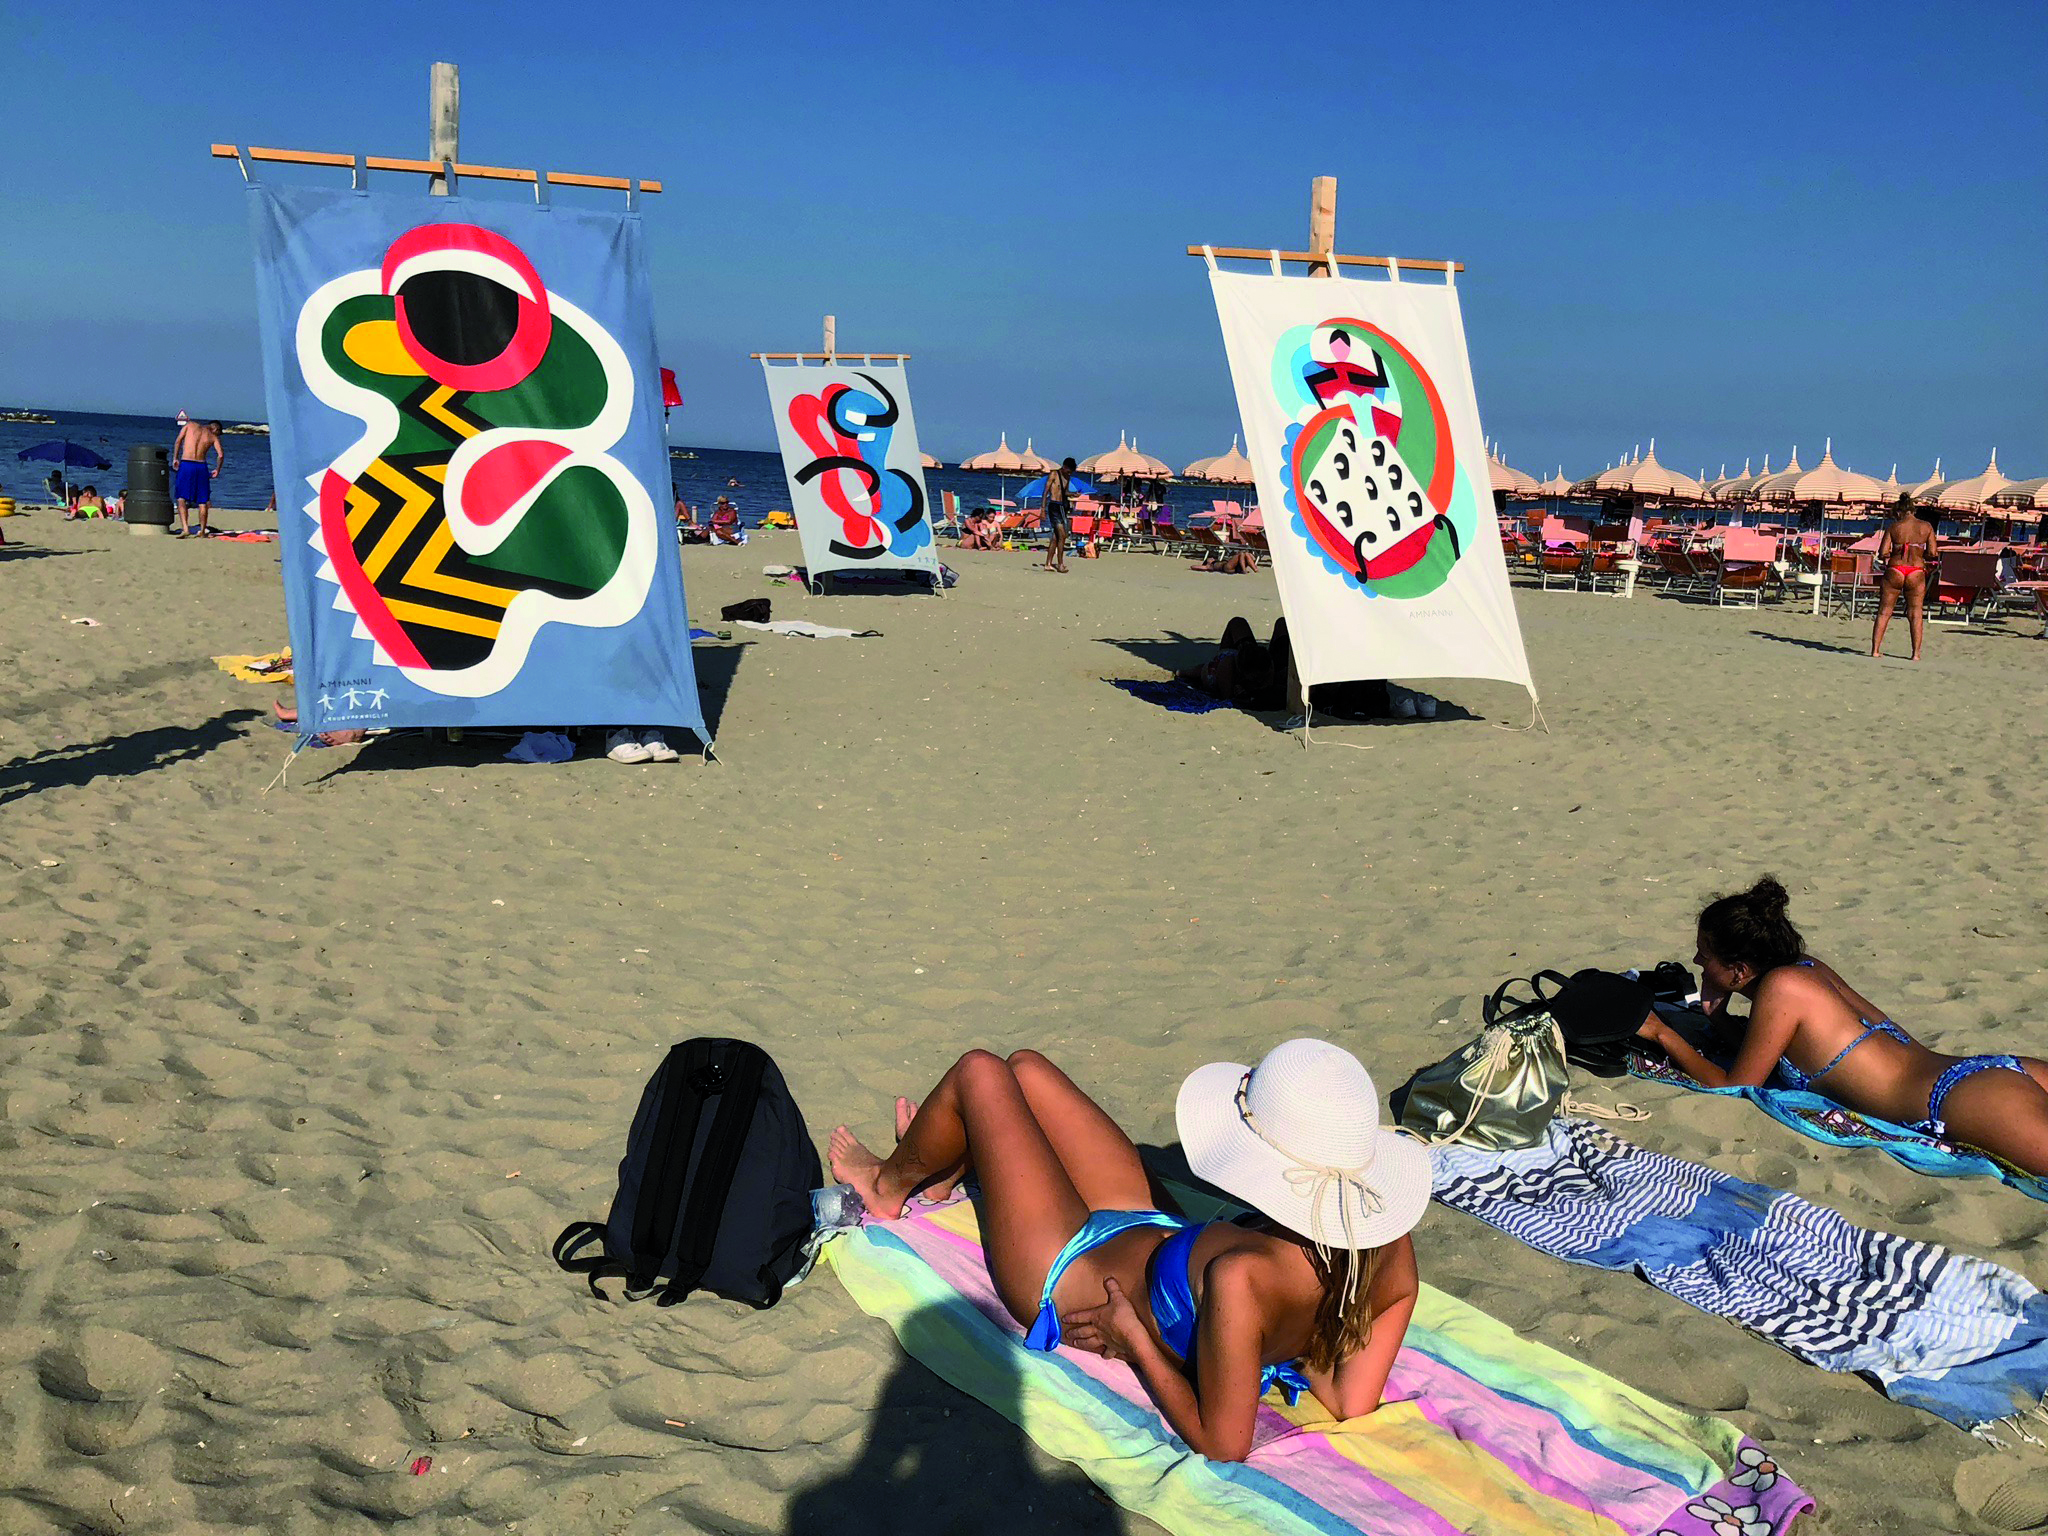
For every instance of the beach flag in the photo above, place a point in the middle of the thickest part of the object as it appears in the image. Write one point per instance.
(671, 392)
(465, 396)
(849, 451)
(1364, 437)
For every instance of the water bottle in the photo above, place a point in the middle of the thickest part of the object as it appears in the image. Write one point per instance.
(836, 1208)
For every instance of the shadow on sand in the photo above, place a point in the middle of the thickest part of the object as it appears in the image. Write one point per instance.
(717, 666)
(1175, 653)
(1811, 645)
(137, 752)
(942, 1463)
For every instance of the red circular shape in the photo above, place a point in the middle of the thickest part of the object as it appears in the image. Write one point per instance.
(530, 332)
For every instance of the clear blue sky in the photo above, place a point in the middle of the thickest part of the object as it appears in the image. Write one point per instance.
(1732, 228)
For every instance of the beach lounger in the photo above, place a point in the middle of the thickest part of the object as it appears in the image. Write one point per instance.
(1849, 581)
(1967, 578)
(1745, 567)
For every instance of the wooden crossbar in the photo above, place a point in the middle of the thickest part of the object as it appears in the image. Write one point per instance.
(431, 168)
(1246, 253)
(830, 357)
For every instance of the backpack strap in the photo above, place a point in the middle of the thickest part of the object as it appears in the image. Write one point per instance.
(577, 1236)
(692, 1073)
(738, 1095)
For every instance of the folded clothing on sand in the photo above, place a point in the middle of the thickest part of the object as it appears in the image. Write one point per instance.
(1817, 1115)
(276, 667)
(809, 631)
(1480, 1430)
(1957, 1336)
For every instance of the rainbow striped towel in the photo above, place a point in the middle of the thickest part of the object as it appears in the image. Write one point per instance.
(1481, 1430)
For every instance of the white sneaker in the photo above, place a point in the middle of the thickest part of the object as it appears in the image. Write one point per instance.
(621, 746)
(658, 749)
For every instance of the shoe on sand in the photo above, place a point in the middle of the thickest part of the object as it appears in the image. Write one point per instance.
(658, 749)
(621, 746)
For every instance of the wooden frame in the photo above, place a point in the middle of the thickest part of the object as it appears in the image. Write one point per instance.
(830, 357)
(1246, 253)
(434, 168)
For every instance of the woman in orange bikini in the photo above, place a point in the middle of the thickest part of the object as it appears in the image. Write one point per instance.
(1908, 554)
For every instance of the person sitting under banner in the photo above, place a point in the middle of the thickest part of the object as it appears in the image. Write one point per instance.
(1256, 677)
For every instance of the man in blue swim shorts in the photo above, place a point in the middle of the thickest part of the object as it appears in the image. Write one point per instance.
(193, 483)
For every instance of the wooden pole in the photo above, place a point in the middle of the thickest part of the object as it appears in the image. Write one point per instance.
(831, 336)
(1322, 250)
(444, 119)
(1322, 226)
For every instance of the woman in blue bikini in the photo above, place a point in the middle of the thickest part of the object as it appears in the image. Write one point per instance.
(1314, 1294)
(1810, 1029)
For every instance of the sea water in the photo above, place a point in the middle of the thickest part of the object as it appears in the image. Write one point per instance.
(753, 480)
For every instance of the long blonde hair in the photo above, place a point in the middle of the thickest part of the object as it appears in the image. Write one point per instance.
(1344, 1314)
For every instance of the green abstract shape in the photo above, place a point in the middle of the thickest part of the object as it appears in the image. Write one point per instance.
(574, 533)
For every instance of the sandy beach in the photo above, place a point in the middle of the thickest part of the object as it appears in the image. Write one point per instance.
(300, 1086)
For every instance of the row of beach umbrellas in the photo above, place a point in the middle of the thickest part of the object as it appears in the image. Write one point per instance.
(1828, 483)
(1125, 460)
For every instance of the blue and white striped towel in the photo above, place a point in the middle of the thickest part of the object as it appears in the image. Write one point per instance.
(1960, 1337)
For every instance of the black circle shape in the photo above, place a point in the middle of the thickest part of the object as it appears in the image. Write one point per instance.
(462, 318)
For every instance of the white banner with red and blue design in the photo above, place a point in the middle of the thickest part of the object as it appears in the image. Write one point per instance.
(1364, 437)
(849, 450)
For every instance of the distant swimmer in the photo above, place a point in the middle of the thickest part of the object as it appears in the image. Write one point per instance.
(1911, 560)
(194, 483)
(732, 482)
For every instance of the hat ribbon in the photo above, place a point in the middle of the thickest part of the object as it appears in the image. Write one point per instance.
(1312, 1181)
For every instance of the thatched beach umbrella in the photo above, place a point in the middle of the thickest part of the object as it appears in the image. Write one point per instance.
(1826, 481)
(1971, 494)
(1505, 477)
(1556, 485)
(1645, 477)
(1033, 462)
(928, 462)
(1926, 489)
(1123, 459)
(1003, 459)
(1231, 468)
(2022, 496)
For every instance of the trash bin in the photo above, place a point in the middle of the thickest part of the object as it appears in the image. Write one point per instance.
(149, 489)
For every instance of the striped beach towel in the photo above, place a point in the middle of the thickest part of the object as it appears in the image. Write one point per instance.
(1958, 1336)
(1480, 1430)
(1816, 1115)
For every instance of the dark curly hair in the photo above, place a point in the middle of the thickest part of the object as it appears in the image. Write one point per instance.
(1751, 928)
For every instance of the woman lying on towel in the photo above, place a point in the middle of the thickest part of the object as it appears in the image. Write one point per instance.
(1809, 1029)
(1315, 1296)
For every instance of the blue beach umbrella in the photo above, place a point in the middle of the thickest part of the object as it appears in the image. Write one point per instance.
(62, 451)
(1035, 491)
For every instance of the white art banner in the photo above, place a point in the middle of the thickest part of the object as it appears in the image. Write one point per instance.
(1364, 437)
(849, 450)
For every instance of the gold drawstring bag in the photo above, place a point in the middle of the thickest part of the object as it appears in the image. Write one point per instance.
(1501, 1090)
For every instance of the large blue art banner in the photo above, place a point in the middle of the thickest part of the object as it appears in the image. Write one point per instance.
(472, 481)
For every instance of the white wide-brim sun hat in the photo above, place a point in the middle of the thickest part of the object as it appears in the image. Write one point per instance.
(1299, 1138)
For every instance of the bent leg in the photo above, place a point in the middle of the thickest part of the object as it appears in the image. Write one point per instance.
(1099, 1158)
(1029, 1207)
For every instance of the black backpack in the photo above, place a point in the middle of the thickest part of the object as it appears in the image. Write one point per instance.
(714, 1189)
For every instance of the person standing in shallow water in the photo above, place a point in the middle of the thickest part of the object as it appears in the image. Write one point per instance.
(1911, 561)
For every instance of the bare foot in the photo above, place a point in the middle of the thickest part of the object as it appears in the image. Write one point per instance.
(854, 1164)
